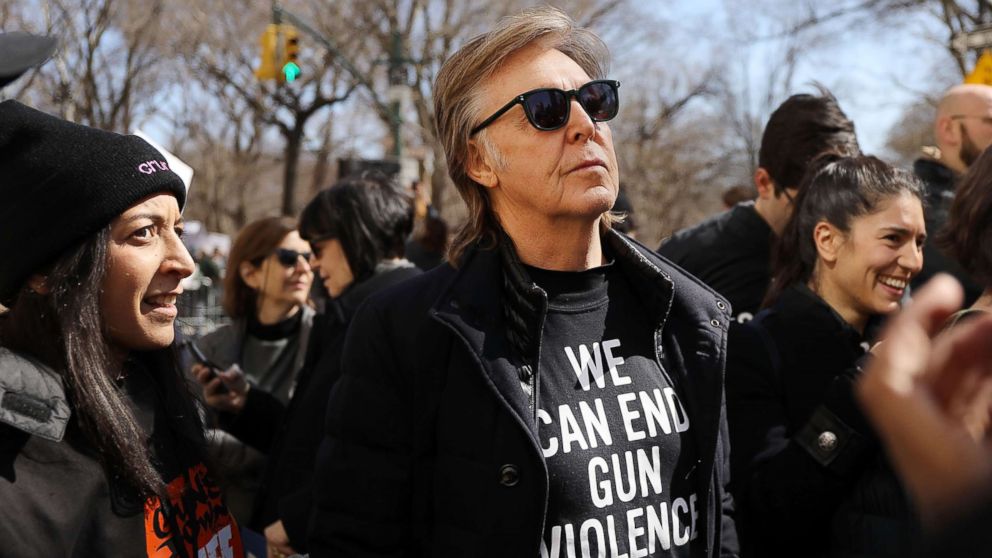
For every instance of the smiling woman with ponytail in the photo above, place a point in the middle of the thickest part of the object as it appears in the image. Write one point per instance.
(101, 446)
(810, 478)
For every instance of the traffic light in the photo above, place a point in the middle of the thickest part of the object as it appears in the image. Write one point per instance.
(280, 53)
(269, 41)
(291, 49)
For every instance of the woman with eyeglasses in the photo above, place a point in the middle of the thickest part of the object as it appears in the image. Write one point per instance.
(102, 451)
(357, 229)
(809, 477)
(266, 290)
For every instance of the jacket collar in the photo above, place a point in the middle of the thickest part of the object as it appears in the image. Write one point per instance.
(810, 312)
(499, 312)
(32, 398)
(385, 274)
(523, 304)
(654, 286)
(472, 306)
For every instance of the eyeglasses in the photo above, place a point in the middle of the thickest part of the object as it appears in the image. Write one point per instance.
(549, 108)
(984, 119)
(288, 258)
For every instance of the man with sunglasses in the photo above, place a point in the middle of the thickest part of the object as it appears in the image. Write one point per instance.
(555, 390)
(962, 130)
(732, 251)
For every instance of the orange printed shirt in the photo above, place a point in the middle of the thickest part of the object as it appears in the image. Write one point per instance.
(194, 523)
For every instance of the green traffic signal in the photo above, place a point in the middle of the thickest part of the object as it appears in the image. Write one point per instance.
(291, 71)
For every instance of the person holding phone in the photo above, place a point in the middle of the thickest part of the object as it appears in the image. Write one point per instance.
(266, 289)
(266, 293)
(102, 451)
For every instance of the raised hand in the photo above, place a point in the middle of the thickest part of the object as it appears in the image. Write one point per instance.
(929, 392)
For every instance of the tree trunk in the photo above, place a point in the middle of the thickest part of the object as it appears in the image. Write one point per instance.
(322, 165)
(294, 140)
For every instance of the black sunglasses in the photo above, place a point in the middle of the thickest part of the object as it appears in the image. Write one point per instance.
(288, 258)
(549, 108)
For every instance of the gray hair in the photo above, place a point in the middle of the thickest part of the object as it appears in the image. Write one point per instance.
(458, 93)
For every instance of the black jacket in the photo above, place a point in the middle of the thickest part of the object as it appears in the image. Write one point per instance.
(809, 479)
(56, 499)
(431, 446)
(291, 435)
(941, 183)
(730, 252)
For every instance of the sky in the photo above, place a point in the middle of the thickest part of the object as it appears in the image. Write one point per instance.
(874, 72)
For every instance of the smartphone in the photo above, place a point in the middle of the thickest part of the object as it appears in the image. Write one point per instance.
(198, 356)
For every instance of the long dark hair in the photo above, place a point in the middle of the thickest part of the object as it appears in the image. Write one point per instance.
(64, 330)
(369, 214)
(836, 189)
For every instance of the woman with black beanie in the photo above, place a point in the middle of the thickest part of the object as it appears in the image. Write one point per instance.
(101, 446)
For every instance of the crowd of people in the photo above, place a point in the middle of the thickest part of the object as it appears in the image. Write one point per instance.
(775, 381)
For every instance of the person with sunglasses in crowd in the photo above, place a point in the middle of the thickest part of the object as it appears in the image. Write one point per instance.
(102, 451)
(266, 293)
(357, 229)
(809, 478)
(555, 388)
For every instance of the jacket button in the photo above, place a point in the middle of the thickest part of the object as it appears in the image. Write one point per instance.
(827, 441)
(509, 475)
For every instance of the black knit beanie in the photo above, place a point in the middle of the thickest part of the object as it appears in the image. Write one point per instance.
(61, 182)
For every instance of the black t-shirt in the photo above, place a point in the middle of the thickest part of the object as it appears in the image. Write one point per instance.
(615, 436)
(730, 252)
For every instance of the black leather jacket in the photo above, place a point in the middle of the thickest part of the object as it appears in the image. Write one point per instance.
(431, 445)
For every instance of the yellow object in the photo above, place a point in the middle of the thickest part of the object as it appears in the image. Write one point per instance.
(982, 74)
(280, 47)
(269, 41)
